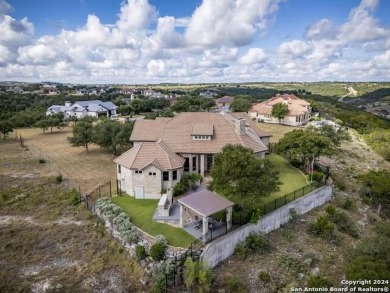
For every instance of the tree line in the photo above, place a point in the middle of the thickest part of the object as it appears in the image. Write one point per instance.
(110, 135)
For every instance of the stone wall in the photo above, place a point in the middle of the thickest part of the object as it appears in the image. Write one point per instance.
(223, 247)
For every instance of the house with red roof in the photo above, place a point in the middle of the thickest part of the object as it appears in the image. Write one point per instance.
(298, 110)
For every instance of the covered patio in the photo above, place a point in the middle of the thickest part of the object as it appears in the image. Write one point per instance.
(195, 212)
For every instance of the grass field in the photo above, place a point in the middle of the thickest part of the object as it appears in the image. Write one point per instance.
(86, 170)
(49, 245)
(277, 130)
(290, 177)
(141, 213)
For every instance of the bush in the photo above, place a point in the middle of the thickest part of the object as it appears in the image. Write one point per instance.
(140, 252)
(157, 251)
(349, 204)
(254, 243)
(234, 285)
(343, 222)
(265, 277)
(241, 251)
(74, 198)
(59, 178)
(42, 161)
(322, 227)
(317, 176)
(318, 282)
(161, 239)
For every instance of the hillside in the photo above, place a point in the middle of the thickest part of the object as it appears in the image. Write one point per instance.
(295, 256)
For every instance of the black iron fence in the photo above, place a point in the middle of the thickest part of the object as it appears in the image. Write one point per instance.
(103, 190)
(289, 197)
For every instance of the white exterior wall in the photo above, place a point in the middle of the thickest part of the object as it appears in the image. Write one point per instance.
(265, 140)
(171, 182)
(152, 184)
(288, 120)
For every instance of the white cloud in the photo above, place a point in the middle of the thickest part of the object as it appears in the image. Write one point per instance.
(295, 49)
(253, 56)
(220, 41)
(227, 22)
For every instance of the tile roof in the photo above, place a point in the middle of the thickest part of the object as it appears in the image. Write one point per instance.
(150, 153)
(205, 202)
(176, 133)
(225, 99)
(202, 129)
(296, 106)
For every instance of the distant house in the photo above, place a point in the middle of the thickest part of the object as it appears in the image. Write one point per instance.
(207, 94)
(165, 149)
(50, 90)
(224, 101)
(298, 110)
(81, 109)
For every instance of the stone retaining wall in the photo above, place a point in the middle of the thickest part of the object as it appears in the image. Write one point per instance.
(223, 247)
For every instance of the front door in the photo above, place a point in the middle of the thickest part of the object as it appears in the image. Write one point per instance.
(139, 191)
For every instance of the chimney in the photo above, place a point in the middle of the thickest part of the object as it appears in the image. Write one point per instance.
(68, 103)
(239, 125)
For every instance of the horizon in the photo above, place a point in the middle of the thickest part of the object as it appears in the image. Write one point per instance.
(194, 42)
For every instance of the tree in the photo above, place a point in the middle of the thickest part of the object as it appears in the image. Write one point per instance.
(241, 104)
(82, 134)
(336, 136)
(6, 127)
(247, 179)
(279, 110)
(304, 145)
(378, 183)
(112, 135)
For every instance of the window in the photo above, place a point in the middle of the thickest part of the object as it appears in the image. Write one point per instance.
(152, 174)
(174, 175)
(193, 163)
(138, 172)
(165, 176)
(119, 169)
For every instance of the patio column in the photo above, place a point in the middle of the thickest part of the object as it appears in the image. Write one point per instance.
(202, 165)
(229, 218)
(190, 161)
(205, 228)
(181, 216)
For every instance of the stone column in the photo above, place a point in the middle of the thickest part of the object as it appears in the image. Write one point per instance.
(190, 163)
(229, 217)
(205, 228)
(202, 165)
(181, 216)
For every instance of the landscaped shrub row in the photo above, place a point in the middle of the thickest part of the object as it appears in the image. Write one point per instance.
(119, 219)
(186, 182)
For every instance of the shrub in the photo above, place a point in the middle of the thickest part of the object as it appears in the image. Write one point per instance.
(157, 251)
(349, 204)
(241, 251)
(317, 176)
(343, 222)
(59, 178)
(235, 284)
(140, 252)
(161, 239)
(322, 227)
(318, 282)
(265, 277)
(293, 264)
(42, 161)
(74, 198)
(330, 209)
(293, 214)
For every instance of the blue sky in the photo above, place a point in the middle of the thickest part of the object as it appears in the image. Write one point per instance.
(141, 41)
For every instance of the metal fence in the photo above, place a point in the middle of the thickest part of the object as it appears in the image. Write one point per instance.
(103, 190)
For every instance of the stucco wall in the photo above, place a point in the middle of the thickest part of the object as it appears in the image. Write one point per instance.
(152, 183)
(223, 247)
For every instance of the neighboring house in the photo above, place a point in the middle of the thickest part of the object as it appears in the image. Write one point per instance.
(50, 90)
(298, 110)
(224, 102)
(167, 148)
(81, 109)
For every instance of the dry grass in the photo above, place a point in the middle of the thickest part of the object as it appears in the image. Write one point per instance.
(86, 170)
(48, 245)
(277, 130)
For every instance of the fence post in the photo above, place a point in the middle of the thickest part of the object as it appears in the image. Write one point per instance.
(99, 192)
(110, 189)
(285, 198)
(86, 201)
(275, 204)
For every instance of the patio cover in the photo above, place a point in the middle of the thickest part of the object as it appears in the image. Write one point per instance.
(205, 202)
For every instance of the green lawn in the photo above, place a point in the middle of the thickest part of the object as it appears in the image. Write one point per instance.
(290, 177)
(141, 212)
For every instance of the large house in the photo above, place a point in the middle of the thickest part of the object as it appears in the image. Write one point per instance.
(298, 110)
(167, 148)
(81, 109)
